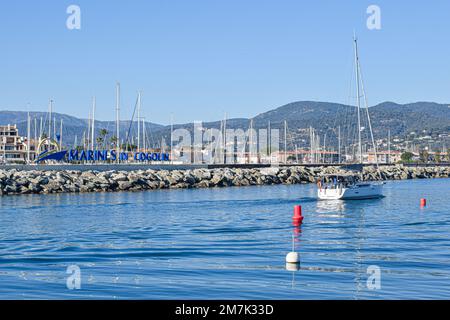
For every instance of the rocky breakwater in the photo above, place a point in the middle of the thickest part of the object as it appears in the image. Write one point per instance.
(32, 182)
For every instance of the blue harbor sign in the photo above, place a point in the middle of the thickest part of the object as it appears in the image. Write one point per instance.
(101, 155)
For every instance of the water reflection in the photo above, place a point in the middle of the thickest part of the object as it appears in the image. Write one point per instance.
(296, 241)
(330, 206)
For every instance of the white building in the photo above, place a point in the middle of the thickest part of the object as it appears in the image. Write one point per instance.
(13, 148)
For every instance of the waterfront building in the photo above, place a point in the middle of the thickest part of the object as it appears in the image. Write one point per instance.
(302, 156)
(383, 157)
(13, 147)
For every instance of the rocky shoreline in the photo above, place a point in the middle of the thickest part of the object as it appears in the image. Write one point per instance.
(13, 182)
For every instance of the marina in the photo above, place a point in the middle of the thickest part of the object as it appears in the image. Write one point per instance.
(224, 159)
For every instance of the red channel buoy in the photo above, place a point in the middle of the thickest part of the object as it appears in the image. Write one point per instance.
(423, 202)
(297, 219)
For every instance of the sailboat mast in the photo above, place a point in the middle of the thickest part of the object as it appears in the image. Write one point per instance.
(118, 120)
(41, 128)
(89, 131)
(35, 136)
(50, 107)
(54, 128)
(358, 99)
(171, 137)
(138, 121)
(268, 142)
(143, 135)
(220, 145)
(285, 141)
(225, 139)
(389, 147)
(311, 145)
(250, 149)
(61, 135)
(93, 123)
(339, 144)
(28, 136)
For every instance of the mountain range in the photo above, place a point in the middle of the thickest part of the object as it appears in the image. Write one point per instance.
(425, 118)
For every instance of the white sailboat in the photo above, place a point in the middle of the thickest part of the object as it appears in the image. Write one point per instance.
(348, 186)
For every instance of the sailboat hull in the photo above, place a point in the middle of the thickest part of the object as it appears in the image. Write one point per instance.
(356, 192)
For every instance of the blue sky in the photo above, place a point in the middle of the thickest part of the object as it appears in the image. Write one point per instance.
(198, 59)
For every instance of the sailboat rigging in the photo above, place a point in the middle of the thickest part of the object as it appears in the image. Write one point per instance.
(349, 186)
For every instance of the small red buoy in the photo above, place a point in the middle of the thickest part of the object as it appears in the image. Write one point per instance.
(297, 218)
(423, 202)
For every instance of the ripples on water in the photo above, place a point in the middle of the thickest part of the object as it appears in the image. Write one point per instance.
(226, 243)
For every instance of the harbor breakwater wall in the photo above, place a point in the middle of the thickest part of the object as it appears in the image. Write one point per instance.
(13, 181)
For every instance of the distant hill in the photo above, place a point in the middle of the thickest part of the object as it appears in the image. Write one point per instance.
(72, 126)
(324, 117)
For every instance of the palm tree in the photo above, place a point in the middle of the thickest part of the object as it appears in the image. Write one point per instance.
(100, 142)
(113, 140)
(102, 136)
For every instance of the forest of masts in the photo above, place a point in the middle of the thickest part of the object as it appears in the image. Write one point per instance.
(138, 137)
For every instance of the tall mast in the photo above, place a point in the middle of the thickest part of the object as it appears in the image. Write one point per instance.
(171, 136)
(339, 144)
(35, 135)
(93, 123)
(220, 145)
(250, 149)
(28, 138)
(138, 121)
(358, 101)
(211, 146)
(311, 145)
(268, 143)
(50, 107)
(61, 135)
(143, 135)
(389, 147)
(41, 128)
(285, 141)
(88, 138)
(118, 119)
(54, 128)
(225, 139)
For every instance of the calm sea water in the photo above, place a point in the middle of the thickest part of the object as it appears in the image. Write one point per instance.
(226, 243)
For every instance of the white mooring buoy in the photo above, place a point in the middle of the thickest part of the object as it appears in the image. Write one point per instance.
(293, 257)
